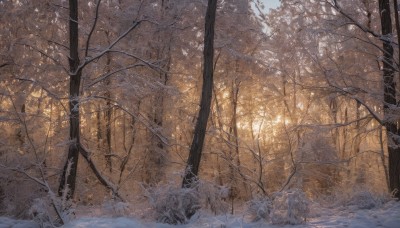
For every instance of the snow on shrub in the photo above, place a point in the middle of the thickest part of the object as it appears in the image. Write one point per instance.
(175, 205)
(116, 209)
(360, 197)
(260, 208)
(363, 200)
(213, 197)
(289, 207)
(41, 212)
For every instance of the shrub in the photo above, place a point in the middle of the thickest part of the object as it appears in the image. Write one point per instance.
(360, 197)
(40, 212)
(260, 208)
(175, 205)
(213, 197)
(116, 209)
(289, 207)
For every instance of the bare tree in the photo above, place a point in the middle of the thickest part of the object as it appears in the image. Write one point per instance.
(68, 178)
(69, 175)
(389, 84)
(196, 148)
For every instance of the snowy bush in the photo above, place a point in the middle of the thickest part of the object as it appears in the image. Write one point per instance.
(173, 205)
(116, 209)
(360, 197)
(363, 200)
(213, 197)
(289, 207)
(260, 208)
(40, 212)
(43, 211)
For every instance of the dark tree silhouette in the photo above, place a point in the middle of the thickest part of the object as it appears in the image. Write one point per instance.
(68, 177)
(196, 148)
(389, 84)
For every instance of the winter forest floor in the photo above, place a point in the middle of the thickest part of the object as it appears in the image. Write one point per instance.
(386, 215)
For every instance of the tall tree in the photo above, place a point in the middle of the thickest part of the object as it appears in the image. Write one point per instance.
(76, 66)
(69, 172)
(392, 130)
(196, 148)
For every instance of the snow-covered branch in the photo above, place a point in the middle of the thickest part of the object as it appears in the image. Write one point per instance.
(88, 60)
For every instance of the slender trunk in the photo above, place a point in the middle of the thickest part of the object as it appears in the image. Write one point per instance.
(109, 109)
(129, 152)
(390, 99)
(219, 126)
(261, 168)
(336, 133)
(196, 148)
(108, 115)
(383, 159)
(396, 16)
(357, 139)
(20, 134)
(68, 178)
(344, 138)
(235, 94)
(234, 129)
(99, 129)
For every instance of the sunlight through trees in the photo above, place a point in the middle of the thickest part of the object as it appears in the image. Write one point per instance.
(108, 99)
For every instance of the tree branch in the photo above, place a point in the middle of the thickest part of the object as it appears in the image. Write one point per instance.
(45, 55)
(336, 6)
(4, 64)
(89, 60)
(104, 76)
(86, 154)
(93, 27)
(51, 94)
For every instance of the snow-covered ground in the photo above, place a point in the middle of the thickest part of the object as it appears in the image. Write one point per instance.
(385, 216)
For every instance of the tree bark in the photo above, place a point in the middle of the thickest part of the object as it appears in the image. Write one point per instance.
(196, 148)
(107, 116)
(389, 84)
(68, 177)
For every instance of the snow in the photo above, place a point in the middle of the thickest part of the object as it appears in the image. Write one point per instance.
(12, 223)
(385, 216)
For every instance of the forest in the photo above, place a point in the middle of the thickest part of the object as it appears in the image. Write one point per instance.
(176, 111)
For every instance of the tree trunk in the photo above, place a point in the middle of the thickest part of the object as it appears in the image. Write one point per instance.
(109, 110)
(390, 99)
(99, 129)
(357, 139)
(196, 148)
(107, 116)
(68, 177)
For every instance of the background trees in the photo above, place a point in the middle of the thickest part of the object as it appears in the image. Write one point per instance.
(304, 97)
